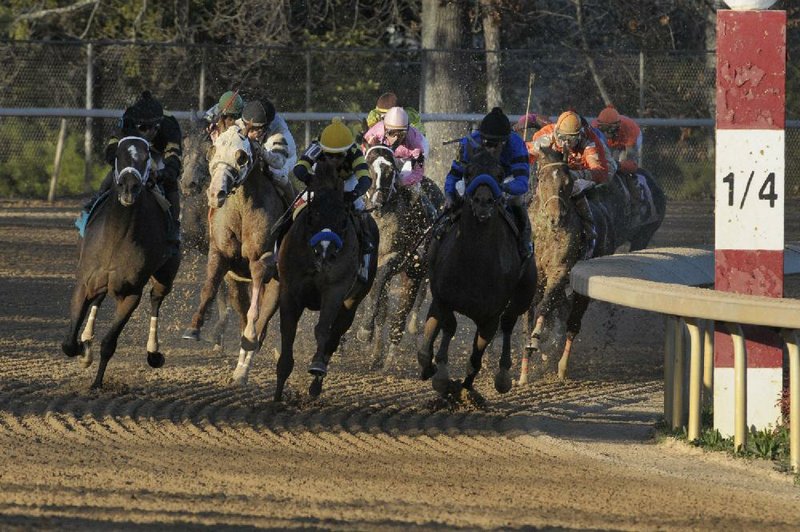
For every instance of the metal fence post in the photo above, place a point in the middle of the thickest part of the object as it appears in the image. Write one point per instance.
(87, 140)
(641, 99)
(201, 93)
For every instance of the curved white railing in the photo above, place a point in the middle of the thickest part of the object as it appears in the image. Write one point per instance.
(669, 281)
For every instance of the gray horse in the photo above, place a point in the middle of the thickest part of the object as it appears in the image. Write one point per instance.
(243, 206)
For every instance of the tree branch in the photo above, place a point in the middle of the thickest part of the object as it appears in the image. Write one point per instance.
(56, 10)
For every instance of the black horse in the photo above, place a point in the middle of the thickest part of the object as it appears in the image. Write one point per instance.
(317, 265)
(557, 230)
(243, 206)
(124, 246)
(476, 270)
(402, 223)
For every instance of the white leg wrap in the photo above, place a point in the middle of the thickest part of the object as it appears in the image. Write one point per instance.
(152, 339)
(88, 331)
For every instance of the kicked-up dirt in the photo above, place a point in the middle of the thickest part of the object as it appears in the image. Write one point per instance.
(182, 448)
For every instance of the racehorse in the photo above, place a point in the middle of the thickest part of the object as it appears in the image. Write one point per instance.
(243, 206)
(124, 246)
(557, 230)
(194, 213)
(317, 264)
(402, 224)
(636, 229)
(476, 270)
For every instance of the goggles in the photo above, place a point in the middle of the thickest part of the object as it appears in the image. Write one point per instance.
(608, 129)
(493, 142)
(396, 132)
(144, 127)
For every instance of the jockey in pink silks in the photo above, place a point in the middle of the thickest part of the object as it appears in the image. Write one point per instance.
(409, 147)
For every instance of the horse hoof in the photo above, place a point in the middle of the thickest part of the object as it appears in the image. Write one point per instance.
(533, 346)
(316, 387)
(412, 327)
(427, 372)
(86, 359)
(441, 386)
(156, 360)
(249, 345)
(70, 349)
(218, 348)
(191, 334)
(318, 369)
(502, 381)
(363, 334)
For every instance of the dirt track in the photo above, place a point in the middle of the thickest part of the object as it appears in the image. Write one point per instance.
(179, 447)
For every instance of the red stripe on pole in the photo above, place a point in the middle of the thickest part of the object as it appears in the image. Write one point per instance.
(764, 348)
(751, 69)
(754, 272)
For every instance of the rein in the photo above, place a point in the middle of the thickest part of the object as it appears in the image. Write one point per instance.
(555, 196)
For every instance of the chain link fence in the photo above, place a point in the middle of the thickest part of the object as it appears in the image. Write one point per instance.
(191, 77)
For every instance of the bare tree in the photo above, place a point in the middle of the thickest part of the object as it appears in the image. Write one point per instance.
(444, 25)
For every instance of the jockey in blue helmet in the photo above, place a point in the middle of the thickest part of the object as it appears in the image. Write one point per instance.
(495, 136)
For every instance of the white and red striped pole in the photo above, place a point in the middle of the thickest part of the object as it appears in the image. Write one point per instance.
(749, 204)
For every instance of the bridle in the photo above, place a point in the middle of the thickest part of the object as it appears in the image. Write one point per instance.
(561, 200)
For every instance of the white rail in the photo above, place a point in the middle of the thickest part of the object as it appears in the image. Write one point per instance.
(668, 281)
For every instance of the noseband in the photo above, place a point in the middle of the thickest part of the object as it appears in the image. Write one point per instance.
(555, 196)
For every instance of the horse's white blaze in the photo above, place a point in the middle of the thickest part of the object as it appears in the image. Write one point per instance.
(152, 339)
(88, 331)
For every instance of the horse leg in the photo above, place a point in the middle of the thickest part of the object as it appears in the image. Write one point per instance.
(480, 342)
(441, 380)
(413, 318)
(290, 315)
(502, 379)
(87, 336)
(215, 270)
(223, 309)
(125, 307)
(579, 305)
(329, 310)
(240, 299)
(380, 297)
(257, 274)
(398, 323)
(77, 312)
(269, 304)
(343, 321)
(161, 286)
(425, 351)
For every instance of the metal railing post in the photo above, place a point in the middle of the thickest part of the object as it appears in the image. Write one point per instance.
(708, 363)
(88, 140)
(308, 96)
(678, 418)
(791, 339)
(669, 365)
(695, 378)
(739, 386)
(62, 133)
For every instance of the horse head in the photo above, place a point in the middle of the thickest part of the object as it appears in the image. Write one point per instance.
(554, 184)
(131, 168)
(326, 214)
(482, 180)
(384, 172)
(230, 161)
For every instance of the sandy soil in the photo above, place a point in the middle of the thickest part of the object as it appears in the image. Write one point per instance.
(180, 447)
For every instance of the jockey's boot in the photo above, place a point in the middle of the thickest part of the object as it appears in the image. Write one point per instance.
(428, 208)
(105, 186)
(524, 240)
(585, 212)
(635, 193)
(276, 235)
(174, 231)
(366, 245)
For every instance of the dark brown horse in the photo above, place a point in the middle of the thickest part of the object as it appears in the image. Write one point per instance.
(402, 223)
(557, 230)
(124, 246)
(317, 265)
(194, 214)
(476, 270)
(243, 206)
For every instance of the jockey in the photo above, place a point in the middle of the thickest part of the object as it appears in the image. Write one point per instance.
(224, 113)
(386, 101)
(624, 138)
(408, 145)
(529, 124)
(586, 156)
(146, 119)
(336, 144)
(261, 124)
(495, 135)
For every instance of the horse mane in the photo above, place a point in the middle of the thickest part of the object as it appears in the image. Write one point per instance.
(483, 162)
(325, 177)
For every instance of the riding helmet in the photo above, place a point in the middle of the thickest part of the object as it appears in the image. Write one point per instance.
(386, 101)
(495, 125)
(568, 123)
(146, 110)
(608, 116)
(336, 137)
(231, 104)
(255, 114)
(396, 118)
